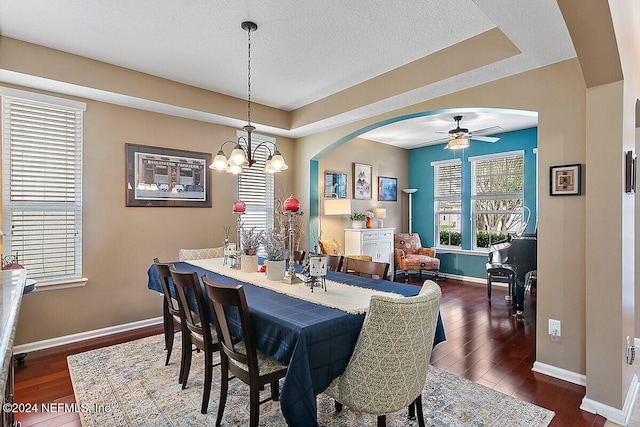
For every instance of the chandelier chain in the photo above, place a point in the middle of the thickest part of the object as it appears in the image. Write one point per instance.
(249, 77)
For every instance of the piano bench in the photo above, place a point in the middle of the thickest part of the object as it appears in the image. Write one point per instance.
(502, 275)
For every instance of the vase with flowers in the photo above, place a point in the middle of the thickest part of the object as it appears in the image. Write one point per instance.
(357, 219)
(369, 223)
(274, 243)
(250, 244)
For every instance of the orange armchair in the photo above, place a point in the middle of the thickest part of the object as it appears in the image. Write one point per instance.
(410, 255)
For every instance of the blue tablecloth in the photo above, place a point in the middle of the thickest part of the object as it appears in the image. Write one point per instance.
(315, 341)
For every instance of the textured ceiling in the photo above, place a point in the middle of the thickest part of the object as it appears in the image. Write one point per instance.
(303, 50)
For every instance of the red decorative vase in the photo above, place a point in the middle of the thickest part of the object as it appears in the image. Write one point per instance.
(239, 206)
(291, 205)
(369, 222)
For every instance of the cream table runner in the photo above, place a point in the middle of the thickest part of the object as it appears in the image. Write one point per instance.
(352, 299)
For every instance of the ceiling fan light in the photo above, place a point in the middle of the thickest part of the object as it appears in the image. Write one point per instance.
(458, 143)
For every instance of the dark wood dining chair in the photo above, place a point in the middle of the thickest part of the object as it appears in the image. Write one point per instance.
(241, 358)
(198, 331)
(373, 269)
(298, 256)
(334, 262)
(170, 313)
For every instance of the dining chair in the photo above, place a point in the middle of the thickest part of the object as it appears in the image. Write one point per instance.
(170, 314)
(198, 331)
(241, 358)
(360, 267)
(393, 348)
(334, 262)
(298, 256)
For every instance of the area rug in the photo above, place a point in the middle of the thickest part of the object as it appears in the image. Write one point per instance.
(129, 385)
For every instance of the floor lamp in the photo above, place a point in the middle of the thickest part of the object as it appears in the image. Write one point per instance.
(410, 192)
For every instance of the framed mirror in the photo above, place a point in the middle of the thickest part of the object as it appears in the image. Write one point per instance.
(335, 182)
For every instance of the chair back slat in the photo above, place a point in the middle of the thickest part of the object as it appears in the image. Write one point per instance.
(334, 262)
(365, 268)
(225, 300)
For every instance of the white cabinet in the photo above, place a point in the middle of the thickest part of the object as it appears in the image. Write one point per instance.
(377, 242)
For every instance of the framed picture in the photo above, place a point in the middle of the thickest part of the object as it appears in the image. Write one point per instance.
(361, 181)
(335, 183)
(165, 177)
(387, 189)
(630, 166)
(565, 180)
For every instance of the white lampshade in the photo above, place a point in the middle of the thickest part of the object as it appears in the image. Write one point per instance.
(219, 162)
(238, 157)
(458, 143)
(337, 206)
(380, 213)
(277, 162)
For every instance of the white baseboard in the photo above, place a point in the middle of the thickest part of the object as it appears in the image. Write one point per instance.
(68, 339)
(614, 415)
(559, 373)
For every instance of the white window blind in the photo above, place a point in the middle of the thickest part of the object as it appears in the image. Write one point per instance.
(448, 204)
(42, 185)
(255, 188)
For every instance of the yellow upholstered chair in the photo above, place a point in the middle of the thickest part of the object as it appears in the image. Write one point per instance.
(410, 255)
(333, 247)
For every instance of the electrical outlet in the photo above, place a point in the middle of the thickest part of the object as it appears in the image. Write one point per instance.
(555, 329)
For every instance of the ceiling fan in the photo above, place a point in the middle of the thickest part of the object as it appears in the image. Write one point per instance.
(460, 137)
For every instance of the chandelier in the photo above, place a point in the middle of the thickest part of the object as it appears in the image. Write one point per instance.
(242, 154)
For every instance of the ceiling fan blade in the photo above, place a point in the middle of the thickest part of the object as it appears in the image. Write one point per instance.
(485, 138)
(434, 141)
(489, 130)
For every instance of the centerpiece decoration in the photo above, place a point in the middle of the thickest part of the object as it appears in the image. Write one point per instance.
(291, 207)
(250, 244)
(357, 219)
(273, 242)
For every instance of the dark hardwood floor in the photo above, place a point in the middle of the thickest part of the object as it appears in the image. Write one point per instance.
(484, 344)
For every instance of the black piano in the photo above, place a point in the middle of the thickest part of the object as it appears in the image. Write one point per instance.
(509, 261)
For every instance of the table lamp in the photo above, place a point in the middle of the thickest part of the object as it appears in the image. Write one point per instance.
(381, 214)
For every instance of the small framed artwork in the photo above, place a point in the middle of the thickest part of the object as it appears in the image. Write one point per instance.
(335, 183)
(163, 177)
(565, 180)
(630, 166)
(361, 181)
(387, 189)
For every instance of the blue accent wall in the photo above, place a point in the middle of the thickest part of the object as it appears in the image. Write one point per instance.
(421, 177)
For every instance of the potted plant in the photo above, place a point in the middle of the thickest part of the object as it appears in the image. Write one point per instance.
(357, 219)
(250, 244)
(274, 243)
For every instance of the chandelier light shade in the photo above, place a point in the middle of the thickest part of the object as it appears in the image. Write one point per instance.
(243, 155)
(457, 143)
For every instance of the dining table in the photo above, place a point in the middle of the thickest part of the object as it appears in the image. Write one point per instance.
(314, 339)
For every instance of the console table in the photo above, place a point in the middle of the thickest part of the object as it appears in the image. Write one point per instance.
(12, 284)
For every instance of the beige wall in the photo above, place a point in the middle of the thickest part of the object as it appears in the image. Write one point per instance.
(558, 94)
(120, 242)
(385, 160)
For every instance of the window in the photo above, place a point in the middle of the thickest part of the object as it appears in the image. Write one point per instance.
(447, 197)
(497, 197)
(255, 188)
(42, 184)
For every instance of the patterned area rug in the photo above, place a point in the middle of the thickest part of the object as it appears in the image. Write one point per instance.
(129, 385)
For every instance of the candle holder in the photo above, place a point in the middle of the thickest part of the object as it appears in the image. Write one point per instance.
(238, 241)
(291, 277)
